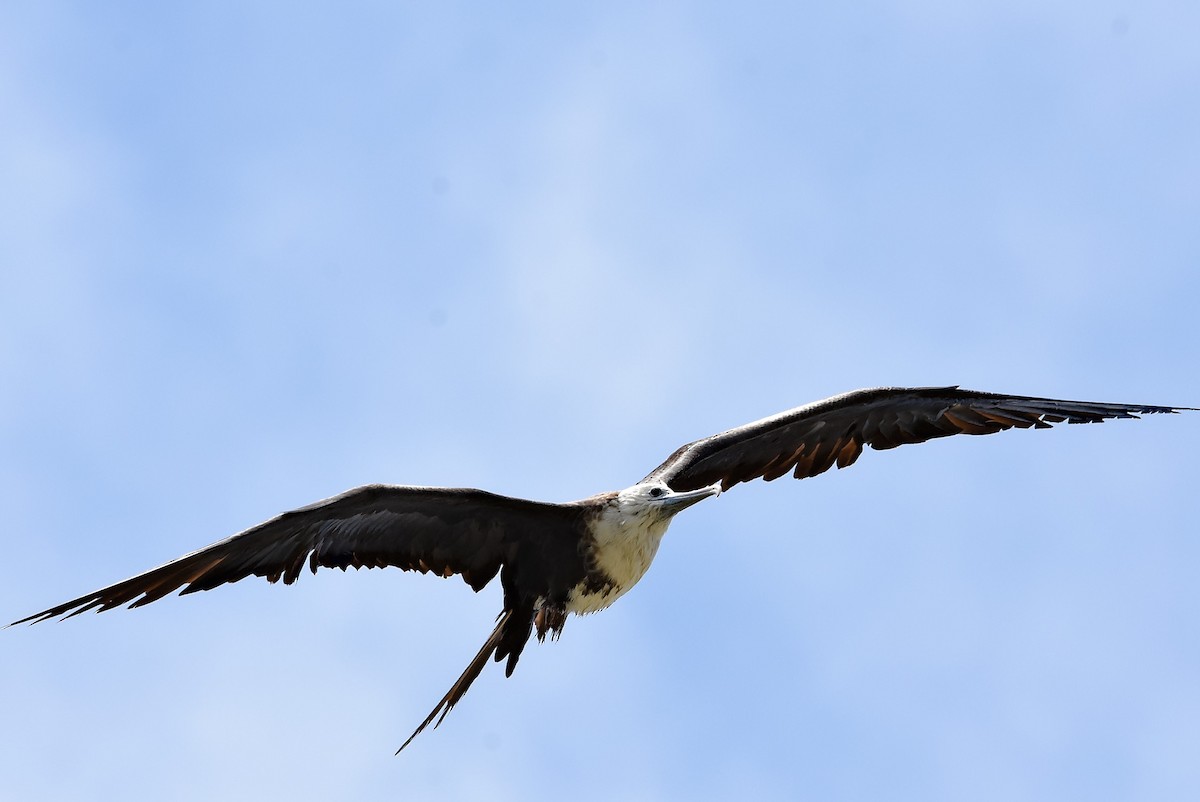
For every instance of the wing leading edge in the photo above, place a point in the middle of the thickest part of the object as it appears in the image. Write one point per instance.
(811, 439)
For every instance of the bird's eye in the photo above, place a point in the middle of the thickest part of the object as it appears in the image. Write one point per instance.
(656, 491)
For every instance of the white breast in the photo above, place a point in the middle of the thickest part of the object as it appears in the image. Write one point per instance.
(625, 546)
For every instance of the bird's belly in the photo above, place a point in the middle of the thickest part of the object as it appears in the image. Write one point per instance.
(619, 559)
(585, 599)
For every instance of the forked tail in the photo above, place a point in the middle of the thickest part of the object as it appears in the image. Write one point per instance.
(460, 686)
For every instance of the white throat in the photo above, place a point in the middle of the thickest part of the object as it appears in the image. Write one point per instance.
(627, 537)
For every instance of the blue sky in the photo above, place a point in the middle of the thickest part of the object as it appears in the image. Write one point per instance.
(253, 255)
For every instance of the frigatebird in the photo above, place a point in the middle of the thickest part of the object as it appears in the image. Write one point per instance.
(581, 556)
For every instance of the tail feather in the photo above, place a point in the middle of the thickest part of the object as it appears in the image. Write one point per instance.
(460, 686)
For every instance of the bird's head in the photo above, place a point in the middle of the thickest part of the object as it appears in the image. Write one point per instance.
(659, 499)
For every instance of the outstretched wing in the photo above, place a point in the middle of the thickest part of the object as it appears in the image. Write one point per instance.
(443, 531)
(811, 439)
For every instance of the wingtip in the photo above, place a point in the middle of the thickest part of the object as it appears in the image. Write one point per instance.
(29, 620)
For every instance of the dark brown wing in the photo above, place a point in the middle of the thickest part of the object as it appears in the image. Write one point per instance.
(443, 531)
(811, 439)
(475, 534)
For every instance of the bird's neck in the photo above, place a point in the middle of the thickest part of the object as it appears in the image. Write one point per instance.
(626, 542)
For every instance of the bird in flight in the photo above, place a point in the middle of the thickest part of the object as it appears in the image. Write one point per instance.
(581, 556)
